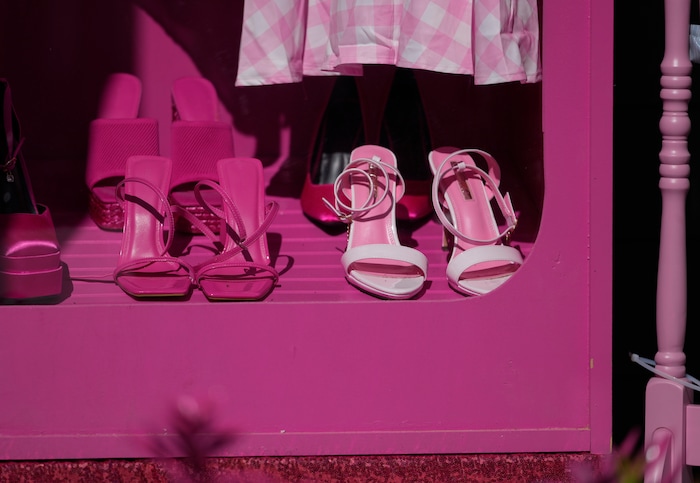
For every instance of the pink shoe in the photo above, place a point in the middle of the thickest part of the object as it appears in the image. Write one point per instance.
(366, 194)
(115, 135)
(462, 195)
(199, 140)
(381, 107)
(242, 269)
(30, 257)
(145, 269)
(340, 130)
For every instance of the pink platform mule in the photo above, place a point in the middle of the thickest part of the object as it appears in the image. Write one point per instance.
(382, 107)
(30, 257)
(198, 140)
(115, 135)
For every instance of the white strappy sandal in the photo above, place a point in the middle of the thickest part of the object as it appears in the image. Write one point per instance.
(481, 261)
(366, 193)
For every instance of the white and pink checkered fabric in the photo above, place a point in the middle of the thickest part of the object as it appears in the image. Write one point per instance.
(494, 40)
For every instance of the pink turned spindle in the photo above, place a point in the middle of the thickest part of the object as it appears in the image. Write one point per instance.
(669, 442)
(674, 184)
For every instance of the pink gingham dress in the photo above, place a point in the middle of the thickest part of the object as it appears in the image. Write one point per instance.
(495, 41)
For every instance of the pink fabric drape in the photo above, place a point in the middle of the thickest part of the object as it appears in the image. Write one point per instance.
(493, 40)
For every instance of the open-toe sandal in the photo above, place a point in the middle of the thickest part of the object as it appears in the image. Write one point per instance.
(462, 197)
(366, 193)
(242, 269)
(145, 268)
(116, 134)
(198, 140)
(340, 131)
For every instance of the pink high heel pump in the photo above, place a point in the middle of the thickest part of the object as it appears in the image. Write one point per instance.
(199, 139)
(116, 134)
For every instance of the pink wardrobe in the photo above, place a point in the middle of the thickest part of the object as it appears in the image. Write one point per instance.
(318, 368)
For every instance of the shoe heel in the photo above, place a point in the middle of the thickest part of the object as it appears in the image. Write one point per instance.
(339, 130)
(115, 135)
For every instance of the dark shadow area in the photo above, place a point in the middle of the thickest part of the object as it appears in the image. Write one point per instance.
(636, 198)
(56, 56)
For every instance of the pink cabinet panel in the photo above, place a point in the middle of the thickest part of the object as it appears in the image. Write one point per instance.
(318, 367)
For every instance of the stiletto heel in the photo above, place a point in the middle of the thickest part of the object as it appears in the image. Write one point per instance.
(145, 268)
(462, 193)
(30, 257)
(242, 269)
(366, 194)
(115, 135)
(198, 140)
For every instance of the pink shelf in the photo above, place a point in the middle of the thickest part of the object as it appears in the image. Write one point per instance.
(320, 368)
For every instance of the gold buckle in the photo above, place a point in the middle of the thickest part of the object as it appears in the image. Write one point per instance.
(461, 181)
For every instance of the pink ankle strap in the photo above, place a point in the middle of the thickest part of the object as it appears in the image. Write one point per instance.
(345, 212)
(492, 179)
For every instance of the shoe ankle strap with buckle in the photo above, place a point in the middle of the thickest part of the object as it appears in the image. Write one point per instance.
(346, 212)
(492, 180)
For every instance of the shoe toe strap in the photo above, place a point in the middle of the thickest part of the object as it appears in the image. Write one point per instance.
(214, 270)
(397, 253)
(468, 259)
(164, 265)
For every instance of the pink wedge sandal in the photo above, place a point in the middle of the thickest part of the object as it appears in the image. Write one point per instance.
(462, 195)
(116, 135)
(198, 140)
(366, 194)
(242, 269)
(145, 268)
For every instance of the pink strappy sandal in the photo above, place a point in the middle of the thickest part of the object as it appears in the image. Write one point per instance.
(462, 195)
(366, 194)
(242, 269)
(145, 269)
(198, 140)
(116, 134)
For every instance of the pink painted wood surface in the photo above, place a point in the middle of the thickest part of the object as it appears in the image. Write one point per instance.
(319, 368)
